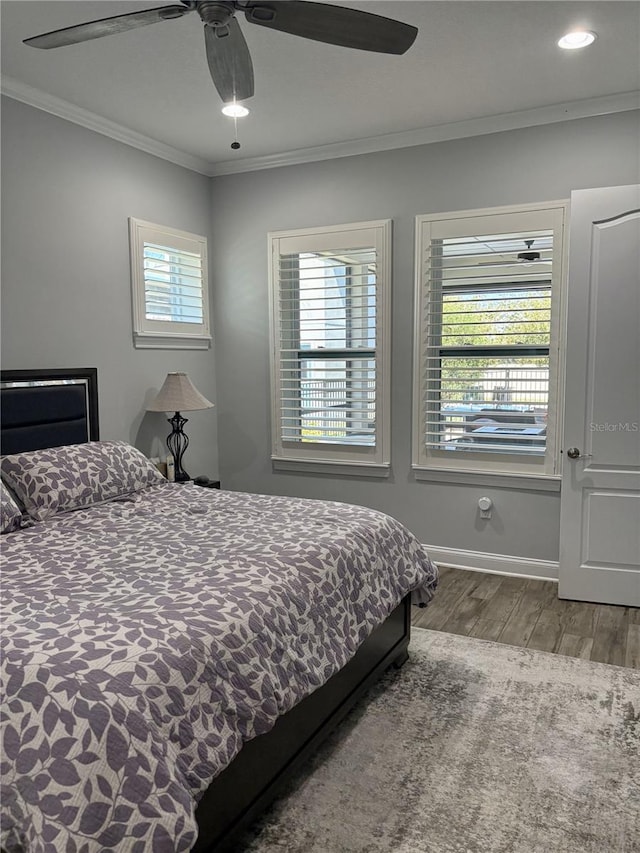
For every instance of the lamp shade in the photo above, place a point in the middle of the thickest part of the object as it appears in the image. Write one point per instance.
(178, 394)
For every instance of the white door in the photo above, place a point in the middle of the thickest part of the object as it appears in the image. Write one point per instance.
(600, 502)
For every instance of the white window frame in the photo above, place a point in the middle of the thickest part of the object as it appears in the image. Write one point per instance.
(373, 460)
(517, 469)
(165, 334)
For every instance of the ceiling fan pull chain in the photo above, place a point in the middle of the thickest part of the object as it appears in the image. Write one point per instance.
(235, 144)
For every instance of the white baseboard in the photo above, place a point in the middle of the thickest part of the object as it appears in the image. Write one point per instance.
(495, 564)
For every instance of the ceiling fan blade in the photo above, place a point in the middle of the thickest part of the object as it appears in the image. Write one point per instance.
(229, 61)
(333, 25)
(107, 26)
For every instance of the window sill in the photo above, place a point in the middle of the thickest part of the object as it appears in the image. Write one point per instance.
(152, 340)
(528, 482)
(317, 466)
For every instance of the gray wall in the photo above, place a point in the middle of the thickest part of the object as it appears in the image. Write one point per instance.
(529, 165)
(67, 193)
(66, 301)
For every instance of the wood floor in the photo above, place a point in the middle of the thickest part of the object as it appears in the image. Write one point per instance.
(529, 613)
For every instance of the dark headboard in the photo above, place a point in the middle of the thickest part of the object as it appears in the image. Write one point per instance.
(48, 408)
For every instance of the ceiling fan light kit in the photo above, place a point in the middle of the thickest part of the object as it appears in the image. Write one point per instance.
(235, 110)
(227, 53)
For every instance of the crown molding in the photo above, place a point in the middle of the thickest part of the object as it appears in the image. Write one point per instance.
(586, 108)
(85, 118)
(438, 133)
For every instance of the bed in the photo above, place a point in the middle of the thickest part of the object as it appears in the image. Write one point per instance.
(171, 654)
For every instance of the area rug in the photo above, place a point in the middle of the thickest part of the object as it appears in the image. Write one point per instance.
(473, 747)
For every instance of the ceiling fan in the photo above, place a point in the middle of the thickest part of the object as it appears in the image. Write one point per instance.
(227, 52)
(528, 257)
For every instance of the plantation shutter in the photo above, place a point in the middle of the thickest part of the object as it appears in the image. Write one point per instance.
(329, 329)
(170, 287)
(173, 284)
(486, 334)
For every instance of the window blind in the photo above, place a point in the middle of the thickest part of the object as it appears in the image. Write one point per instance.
(169, 287)
(487, 330)
(327, 347)
(173, 284)
(330, 350)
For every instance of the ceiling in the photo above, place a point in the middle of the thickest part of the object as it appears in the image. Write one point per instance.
(472, 60)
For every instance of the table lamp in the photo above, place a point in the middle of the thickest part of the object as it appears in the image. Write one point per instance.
(178, 394)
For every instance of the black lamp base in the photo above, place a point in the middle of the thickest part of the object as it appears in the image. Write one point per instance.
(177, 442)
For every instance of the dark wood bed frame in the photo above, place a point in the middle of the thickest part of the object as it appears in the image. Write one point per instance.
(254, 778)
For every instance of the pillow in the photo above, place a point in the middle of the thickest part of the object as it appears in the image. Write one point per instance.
(10, 512)
(60, 479)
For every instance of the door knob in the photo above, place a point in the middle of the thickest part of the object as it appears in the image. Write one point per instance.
(574, 453)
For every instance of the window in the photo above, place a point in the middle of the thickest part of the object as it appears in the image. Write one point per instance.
(169, 287)
(330, 330)
(486, 364)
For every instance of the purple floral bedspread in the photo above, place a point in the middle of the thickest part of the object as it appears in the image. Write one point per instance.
(144, 640)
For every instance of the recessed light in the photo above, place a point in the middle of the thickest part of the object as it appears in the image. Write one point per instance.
(577, 39)
(235, 110)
